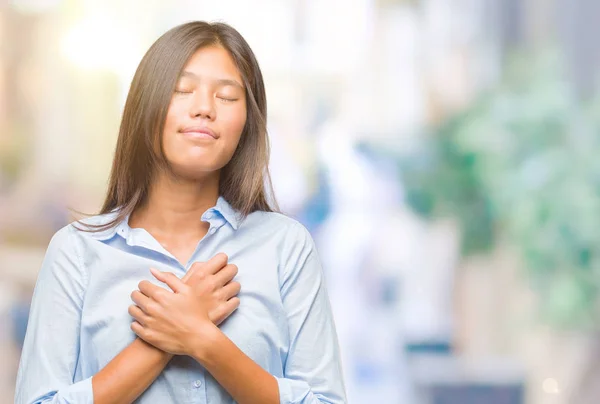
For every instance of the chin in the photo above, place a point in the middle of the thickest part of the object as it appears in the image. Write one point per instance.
(195, 171)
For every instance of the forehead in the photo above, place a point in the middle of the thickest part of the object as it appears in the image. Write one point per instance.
(212, 62)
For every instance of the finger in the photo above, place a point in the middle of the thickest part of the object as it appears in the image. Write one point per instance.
(191, 271)
(201, 270)
(152, 291)
(141, 300)
(148, 288)
(139, 330)
(138, 314)
(230, 290)
(226, 309)
(172, 281)
(226, 274)
(213, 265)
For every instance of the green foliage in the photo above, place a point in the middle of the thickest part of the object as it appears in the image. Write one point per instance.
(521, 164)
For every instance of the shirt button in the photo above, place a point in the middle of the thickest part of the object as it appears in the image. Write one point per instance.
(212, 230)
(209, 216)
(197, 383)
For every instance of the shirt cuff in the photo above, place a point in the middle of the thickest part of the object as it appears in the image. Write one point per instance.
(80, 393)
(292, 391)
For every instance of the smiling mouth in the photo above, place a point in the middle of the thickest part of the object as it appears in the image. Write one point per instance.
(199, 133)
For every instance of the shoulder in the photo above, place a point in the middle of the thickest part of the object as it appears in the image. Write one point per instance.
(96, 227)
(69, 240)
(295, 244)
(62, 255)
(287, 227)
(61, 240)
(62, 266)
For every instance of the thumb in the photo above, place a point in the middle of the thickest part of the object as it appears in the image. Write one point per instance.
(169, 278)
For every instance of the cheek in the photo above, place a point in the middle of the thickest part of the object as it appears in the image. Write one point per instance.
(173, 117)
(235, 123)
(170, 129)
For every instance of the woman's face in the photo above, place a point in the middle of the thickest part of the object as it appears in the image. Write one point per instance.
(206, 115)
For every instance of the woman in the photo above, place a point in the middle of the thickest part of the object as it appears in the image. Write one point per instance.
(186, 207)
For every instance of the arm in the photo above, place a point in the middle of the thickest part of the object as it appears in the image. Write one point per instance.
(243, 378)
(51, 348)
(178, 323)
(131, 372)
(312, 373)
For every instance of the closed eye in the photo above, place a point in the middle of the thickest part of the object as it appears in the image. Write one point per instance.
(224, 99)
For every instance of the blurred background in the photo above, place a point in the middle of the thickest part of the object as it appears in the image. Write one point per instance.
(441, 152)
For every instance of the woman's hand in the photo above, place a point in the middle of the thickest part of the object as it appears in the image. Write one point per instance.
(212, 283)
(177, 322)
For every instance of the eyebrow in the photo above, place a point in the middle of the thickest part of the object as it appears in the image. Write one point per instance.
(220, 82)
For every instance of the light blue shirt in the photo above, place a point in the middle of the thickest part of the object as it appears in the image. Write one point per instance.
(79, 320)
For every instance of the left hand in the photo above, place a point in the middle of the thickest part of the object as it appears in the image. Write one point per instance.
(176, 322)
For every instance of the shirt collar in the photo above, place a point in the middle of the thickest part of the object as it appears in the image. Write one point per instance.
(232, 216)
(222, 207)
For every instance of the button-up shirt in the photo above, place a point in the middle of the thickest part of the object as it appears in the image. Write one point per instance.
(79, 320)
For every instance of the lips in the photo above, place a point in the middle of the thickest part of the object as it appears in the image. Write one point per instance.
(200, 132)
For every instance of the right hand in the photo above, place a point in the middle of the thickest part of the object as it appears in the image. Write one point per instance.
(212, 284)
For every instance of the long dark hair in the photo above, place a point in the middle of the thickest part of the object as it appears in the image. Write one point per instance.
(245, 180)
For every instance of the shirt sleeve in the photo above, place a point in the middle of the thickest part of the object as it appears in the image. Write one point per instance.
(312, 371)
(51, 347)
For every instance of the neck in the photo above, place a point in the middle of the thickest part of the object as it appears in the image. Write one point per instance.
(174, 206)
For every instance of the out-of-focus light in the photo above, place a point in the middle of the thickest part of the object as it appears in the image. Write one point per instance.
(550, 386)
(34, 6)
(98, 43)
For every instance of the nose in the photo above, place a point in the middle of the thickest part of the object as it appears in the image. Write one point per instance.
(202, 105)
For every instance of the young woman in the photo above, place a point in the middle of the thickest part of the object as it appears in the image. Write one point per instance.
(188, 287)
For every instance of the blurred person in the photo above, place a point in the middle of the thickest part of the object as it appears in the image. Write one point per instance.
(187, 205)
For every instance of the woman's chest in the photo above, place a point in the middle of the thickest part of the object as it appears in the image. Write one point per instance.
(258, 327)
